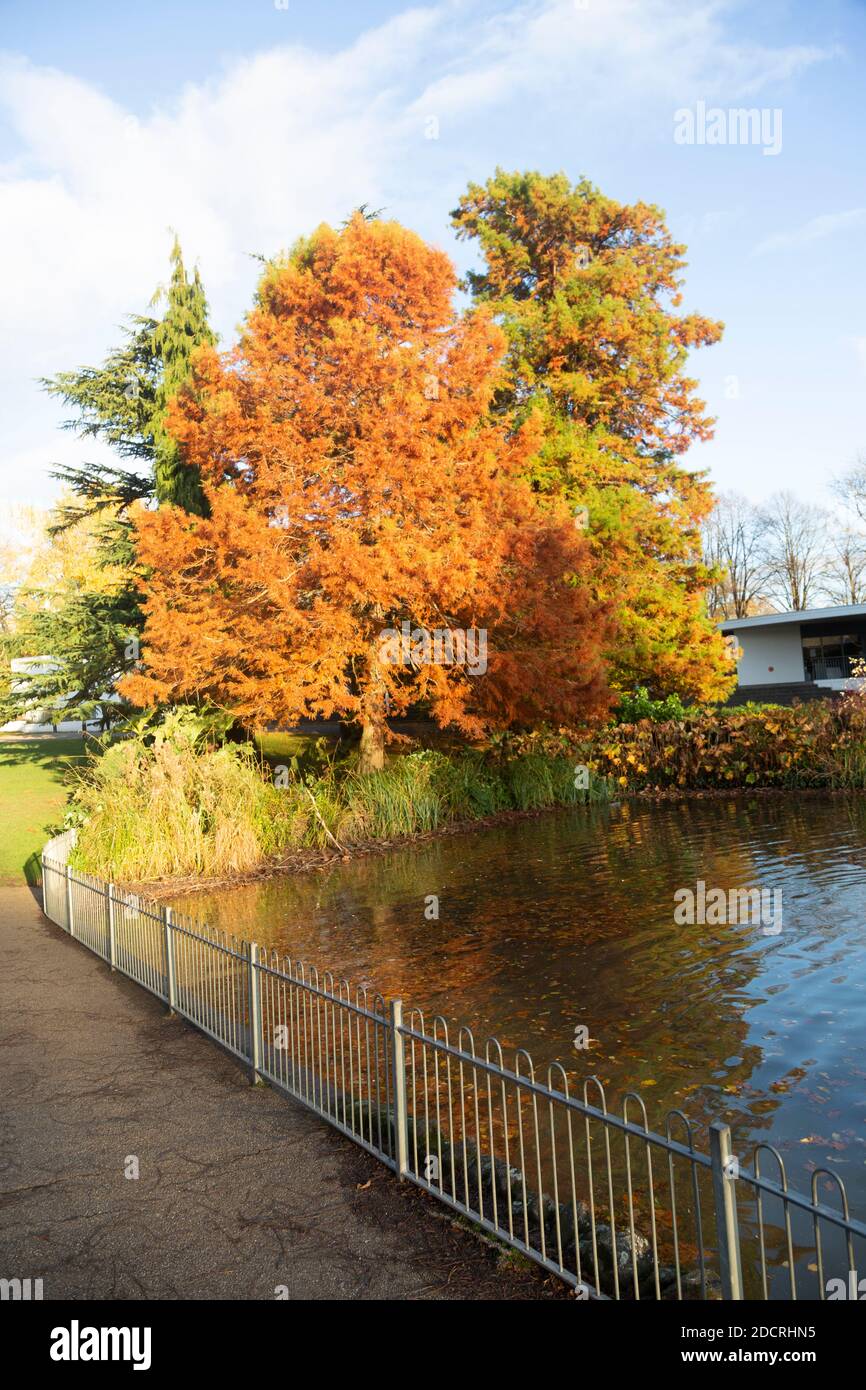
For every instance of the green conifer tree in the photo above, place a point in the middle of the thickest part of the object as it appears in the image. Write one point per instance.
(182, 329)
(92, 638)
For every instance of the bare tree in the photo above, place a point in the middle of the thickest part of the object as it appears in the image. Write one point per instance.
(795, 545)
(851, 488)
(845, 573)
(733, 537)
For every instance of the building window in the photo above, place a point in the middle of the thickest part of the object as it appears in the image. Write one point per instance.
(830, 658)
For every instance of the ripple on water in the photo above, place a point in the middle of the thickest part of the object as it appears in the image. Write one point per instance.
(565, 920)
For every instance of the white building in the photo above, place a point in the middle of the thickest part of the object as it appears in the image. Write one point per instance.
(804, 655)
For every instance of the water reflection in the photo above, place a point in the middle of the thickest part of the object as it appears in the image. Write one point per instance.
(567, 920)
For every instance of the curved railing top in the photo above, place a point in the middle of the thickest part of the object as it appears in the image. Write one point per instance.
(57, 850)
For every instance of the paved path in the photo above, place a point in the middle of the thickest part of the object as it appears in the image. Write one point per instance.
(240, 1190)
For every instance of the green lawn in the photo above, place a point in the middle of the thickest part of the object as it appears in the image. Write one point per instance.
(276, 746)
(32, 798)
(424, 733)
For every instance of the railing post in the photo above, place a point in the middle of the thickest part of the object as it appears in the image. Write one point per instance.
(169, 961)
(401, 1119)
(109, 893)
(70, 925)
(724, 1197)
(255, 1011)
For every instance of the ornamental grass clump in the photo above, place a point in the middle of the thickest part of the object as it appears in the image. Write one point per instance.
(173, 809)
(172, 803)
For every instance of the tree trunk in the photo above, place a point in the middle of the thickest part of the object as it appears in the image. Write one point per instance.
(372, 757)
(373, 715)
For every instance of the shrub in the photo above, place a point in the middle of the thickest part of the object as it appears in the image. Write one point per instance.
(819, 744)
(638, 705)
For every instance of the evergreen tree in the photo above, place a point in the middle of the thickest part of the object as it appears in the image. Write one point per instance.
(91, 636)
(182, 329)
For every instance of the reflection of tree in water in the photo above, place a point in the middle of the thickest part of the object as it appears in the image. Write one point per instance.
(568, 919)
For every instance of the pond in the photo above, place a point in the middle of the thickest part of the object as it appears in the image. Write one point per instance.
(566, 922)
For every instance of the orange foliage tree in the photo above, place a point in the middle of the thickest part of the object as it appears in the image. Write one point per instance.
(361, 500)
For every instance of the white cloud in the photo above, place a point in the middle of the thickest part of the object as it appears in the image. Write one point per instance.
(817, 229)
(283, 140)
(619, 54)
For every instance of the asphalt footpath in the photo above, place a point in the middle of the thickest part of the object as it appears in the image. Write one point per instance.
(137, 1162)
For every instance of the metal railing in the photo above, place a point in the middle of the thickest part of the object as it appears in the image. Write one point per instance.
(612, 1207)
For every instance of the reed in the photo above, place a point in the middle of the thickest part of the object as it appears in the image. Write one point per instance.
(173, 808)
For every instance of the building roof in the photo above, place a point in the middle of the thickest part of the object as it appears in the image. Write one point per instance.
(803, 615)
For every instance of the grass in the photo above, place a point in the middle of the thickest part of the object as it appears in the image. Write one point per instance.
(32, 800)
(281, 747)
(171, 808)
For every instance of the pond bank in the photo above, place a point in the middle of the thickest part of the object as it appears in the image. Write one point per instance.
(311, 860)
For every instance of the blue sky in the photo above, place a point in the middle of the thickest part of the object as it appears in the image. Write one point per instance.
(244, 124)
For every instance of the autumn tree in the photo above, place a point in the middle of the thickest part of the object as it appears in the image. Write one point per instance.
(22, 532)
(355, 482)
(64, 599)
(587, 290)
